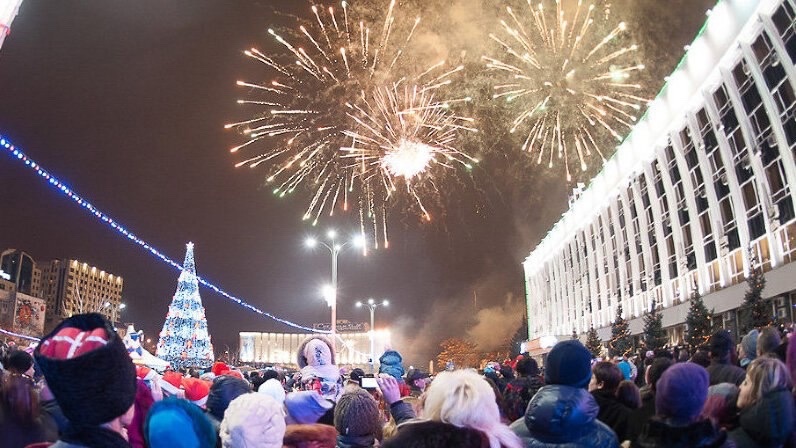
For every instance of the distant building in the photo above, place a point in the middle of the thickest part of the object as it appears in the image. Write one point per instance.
(71, 287)
(707, 173)
(282, 348)
(22, 271)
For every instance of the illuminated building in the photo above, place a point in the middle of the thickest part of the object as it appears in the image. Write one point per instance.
(706, 174)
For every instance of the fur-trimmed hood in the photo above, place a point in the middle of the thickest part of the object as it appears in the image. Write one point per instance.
(324, 436)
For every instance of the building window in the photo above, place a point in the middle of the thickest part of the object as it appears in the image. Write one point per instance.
(785, 22)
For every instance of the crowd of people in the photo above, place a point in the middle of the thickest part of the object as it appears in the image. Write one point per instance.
(80, 388)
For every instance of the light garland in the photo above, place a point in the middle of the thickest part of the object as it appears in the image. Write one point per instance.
(19, 155)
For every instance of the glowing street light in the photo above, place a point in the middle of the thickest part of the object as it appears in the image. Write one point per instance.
(372, 305)
(330, 292)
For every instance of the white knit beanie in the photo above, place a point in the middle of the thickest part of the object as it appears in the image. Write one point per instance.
(253, 421)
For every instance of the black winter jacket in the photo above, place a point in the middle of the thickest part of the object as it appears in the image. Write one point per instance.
(767, 423)
(563, 417)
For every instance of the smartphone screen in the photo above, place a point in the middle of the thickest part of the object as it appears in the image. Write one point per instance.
(368, 382)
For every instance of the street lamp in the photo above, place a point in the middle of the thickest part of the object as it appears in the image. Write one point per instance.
(372, 305)
(330, 293)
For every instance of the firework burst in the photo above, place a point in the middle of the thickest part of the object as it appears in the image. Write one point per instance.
(344, 118)
(570, 78)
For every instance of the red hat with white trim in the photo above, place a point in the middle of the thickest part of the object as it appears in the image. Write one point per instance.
(196, 391)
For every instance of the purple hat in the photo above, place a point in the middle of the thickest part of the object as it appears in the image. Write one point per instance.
(681, 392)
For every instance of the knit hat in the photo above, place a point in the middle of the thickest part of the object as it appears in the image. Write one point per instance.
(88, 370)
(390, 363)
(357, 414)
(749, 344)
(18, 361)
(176, 423)
(253, 420)
(681, 392)
(273, 388)
(225, 389)
(196, 391)
(306, 406)
(417, 374)
(568, 364)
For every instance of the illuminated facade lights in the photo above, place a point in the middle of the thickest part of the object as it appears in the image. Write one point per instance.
(707, 173)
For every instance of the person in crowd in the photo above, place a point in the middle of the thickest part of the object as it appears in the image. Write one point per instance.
(256, 380)
(605, 379)
(436, 434)
(178, 423)
(355, 377)
(678, 423)
(22, 421)
(391, 363)
(310, 436)
(307, 407)
(721, 369)
(721, 406)
(143, 403)
(520, 390)
(768, 341)
(92, 377)
(19, 362)
(766, 403)
(647, 410)
(273, 388)
(747, 349)
(253, 421)
(416, 379)
(464, 399)
(316, 359)
(701, 357)
(628, 394)
(357, 420)
(225, 388)
(563, 413)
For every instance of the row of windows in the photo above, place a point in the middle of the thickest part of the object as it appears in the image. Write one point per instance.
(717, 183)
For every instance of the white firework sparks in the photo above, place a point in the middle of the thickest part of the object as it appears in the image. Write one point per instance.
(570, 79)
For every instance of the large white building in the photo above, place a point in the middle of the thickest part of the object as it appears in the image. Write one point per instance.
(706, 174)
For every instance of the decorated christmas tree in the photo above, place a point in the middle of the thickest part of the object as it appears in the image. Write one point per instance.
(698, 322)
(755, 311)
(594, 343)
(654, 334)
(184, 340)
(620, 343)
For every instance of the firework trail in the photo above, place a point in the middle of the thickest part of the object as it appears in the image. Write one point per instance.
(569, 78)
(343, 116)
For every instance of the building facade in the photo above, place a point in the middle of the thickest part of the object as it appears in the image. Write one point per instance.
(282, 348)
(71, 287)
(21, 313)
(705, 179)
(22, 270)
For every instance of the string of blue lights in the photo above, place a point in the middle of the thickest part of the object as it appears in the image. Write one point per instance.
(16, 153)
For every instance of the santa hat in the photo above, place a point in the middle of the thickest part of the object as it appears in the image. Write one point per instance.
(83, 359)
(219, 368)
(171, 383)
(196, 391)
(145, 373)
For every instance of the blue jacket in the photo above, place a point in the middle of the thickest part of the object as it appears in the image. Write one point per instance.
(563, 417)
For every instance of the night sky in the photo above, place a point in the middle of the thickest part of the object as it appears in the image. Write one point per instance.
(126, 102)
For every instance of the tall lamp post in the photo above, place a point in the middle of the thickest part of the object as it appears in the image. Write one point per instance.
(330, 293)
(372, 305)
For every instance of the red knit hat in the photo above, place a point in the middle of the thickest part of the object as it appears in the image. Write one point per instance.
(219, 368)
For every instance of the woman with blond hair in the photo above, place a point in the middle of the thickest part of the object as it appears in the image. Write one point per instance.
(766, 403)
(464, 400)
